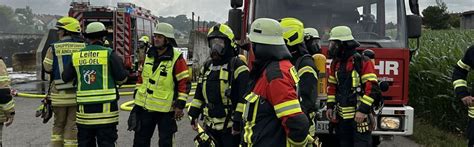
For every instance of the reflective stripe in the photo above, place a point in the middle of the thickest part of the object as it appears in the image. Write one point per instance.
(183, 96)
(97, 115)
(294, 74)
(105, 108)
(332, 80)
(471, 112)
(248, 128)
(4, 78)
(70, 143)
(95, 99)
(252, 97)
(297, 144)
(355, 79)
(307, 69)
(463, 65)
(97, 121)
(239, 70)
(8, 106)
(55, 138)
(224, 84)
(96, 96)
(287, 108)
(240, 107)
(182, 75)
(331, 98)
(48, 61)
(460, 83)
(196, 103)
(346, 112)
(97, 118)
(367, 100)
(369, 77)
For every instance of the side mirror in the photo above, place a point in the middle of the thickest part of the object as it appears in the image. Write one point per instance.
(236, 3)
(414, 7)
(414, 26)
(235, 22)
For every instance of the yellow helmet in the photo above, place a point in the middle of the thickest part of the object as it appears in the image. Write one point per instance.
(221, 31)
(341, 33)
(293, 30)
(69, 24)
(144, 39)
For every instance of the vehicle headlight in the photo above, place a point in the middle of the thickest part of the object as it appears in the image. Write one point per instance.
(390, 123)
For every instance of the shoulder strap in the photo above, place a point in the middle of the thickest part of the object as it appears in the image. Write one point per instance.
(300, 59)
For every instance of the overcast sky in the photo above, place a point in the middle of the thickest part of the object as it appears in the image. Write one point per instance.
(208, 9)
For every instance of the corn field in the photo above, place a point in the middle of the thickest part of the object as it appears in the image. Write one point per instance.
(431, 92)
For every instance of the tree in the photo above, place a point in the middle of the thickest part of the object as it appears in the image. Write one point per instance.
(455, 20)
(7, 17)
(436, 17)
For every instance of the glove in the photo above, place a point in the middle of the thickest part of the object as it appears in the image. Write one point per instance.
(10, 115)
(133, 121)
(48, 111)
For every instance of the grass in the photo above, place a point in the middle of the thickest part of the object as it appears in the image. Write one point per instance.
(430, 136)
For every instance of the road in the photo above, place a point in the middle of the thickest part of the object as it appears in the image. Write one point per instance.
(29, 131)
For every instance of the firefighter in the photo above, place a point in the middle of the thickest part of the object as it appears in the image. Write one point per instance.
(272, 113)
(351, 79)
(220, 89)
(7, 103)
(161, 98)
(97, 70)
(461, 70)
(63, 94)
(311, 39)
(143, 45)
(304, 64)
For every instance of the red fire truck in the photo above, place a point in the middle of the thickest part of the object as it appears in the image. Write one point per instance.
(125, 23)
(380, 25)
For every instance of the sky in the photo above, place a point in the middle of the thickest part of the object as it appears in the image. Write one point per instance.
(216, 10)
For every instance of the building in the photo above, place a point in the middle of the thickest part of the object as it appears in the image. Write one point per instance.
(467, 20)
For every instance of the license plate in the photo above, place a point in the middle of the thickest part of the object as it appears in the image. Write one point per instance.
(322, 127)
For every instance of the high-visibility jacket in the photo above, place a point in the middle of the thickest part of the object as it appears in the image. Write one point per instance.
(159, 88)
(272, 113)
(346, 86)
(219, 94)
(57, 56)
(96, 88)
(460, 72)
(7, 103)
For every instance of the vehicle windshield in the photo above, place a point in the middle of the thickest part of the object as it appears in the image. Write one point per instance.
(380, 23)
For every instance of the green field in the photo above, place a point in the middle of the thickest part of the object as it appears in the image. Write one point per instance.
(431, 91)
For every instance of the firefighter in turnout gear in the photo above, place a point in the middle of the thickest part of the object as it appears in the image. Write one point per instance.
(7, 103)
(220, 89)
(351, 79)
(311, 39)
(161, 98)
(143, 45)
(461, 70)
(304, 65)
(272, 112)
(63, 94)
(97, 70)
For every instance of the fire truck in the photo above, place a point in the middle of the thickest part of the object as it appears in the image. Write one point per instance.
(380, 25)
(125, 24)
